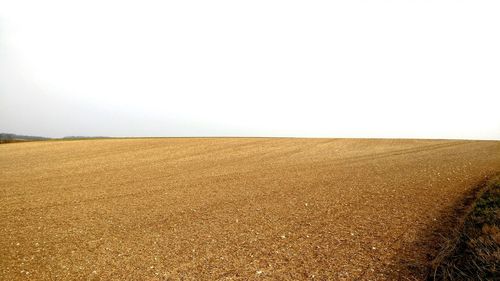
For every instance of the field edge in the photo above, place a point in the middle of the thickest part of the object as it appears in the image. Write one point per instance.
(471, 244)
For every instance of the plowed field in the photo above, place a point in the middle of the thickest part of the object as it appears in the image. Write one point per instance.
(231, 208)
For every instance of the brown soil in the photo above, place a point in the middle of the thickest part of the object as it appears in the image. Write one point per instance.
(222, 208)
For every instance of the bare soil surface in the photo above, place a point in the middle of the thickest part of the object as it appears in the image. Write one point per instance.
(231, 208)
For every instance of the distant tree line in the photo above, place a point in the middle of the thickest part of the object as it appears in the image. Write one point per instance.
(8, 138)
(4, 137)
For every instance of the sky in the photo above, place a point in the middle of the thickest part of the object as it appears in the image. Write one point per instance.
(370, 69)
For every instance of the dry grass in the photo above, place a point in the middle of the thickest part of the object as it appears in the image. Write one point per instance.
(474, 252)
(233, 209)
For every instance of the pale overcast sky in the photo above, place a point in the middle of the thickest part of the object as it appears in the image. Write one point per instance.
(406, 69)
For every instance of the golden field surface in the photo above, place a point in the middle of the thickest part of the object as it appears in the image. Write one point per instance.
(231, 208)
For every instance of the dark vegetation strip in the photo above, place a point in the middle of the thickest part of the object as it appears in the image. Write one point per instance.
(13, 138)
(474, 251)
(11, 141)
